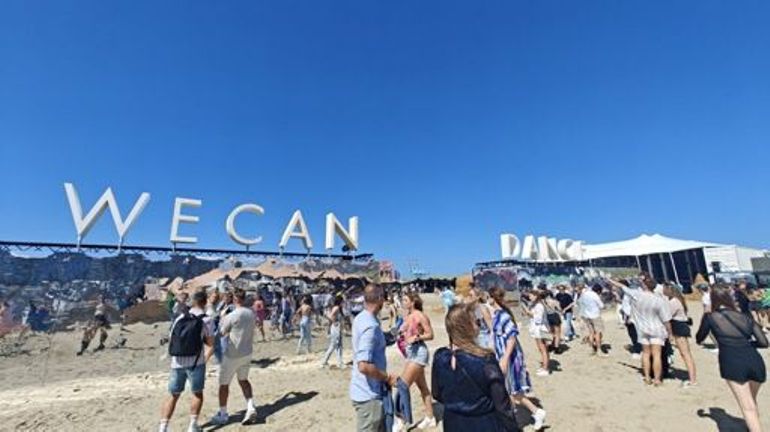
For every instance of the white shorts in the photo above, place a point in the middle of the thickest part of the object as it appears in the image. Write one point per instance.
(539, 332)
(646, 339)
(231, 367)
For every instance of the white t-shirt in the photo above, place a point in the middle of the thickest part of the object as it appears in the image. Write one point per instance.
(238, 325)
(650, 313)
(591, 304)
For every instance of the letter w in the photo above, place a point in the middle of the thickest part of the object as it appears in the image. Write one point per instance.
(84, 224)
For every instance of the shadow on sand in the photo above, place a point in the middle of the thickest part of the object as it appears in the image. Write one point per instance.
(725, 422)
(265, 411)
(265, 362)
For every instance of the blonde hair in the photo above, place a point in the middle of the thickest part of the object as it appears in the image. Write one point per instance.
(462, 333)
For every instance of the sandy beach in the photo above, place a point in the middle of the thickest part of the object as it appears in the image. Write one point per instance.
(48, 388)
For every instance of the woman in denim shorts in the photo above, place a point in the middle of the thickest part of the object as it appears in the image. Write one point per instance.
(417, 330)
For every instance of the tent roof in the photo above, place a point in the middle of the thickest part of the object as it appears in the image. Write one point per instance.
(642, 245)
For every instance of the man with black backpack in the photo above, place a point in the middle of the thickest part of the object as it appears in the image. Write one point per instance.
(189, 333)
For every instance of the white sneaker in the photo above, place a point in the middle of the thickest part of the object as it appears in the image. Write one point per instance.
(220, 418)
(636, 356)
(195, 427)
(539, 417)
(714, 350)
(542, 372)
(251, 415)
(398, 425)
(427, 422)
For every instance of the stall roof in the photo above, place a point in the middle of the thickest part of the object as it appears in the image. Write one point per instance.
(642, 245)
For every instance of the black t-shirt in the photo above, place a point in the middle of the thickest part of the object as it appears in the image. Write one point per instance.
(564, 299)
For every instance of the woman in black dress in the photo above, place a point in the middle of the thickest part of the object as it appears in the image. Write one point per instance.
(738, 338)
(468, 381)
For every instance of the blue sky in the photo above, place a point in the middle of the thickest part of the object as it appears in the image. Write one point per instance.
(439, 124)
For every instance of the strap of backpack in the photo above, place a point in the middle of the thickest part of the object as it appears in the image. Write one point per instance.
(200, 318)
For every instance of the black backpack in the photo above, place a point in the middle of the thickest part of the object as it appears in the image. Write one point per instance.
(187, 336)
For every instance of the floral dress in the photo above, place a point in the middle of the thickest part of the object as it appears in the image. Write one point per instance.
(503, 329)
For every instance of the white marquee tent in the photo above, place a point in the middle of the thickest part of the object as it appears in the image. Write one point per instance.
(642, 245)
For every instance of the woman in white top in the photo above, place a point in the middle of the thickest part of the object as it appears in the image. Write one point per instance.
(538, 329)
(680, 329)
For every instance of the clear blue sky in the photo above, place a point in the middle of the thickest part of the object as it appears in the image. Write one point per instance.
(440, 124)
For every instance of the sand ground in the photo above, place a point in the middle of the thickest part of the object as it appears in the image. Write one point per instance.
(48, 388)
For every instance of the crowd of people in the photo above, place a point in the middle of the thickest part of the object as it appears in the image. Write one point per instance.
(481, 377)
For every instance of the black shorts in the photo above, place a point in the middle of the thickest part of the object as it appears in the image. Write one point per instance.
(101, 321)
(680, 328)
(553, 319)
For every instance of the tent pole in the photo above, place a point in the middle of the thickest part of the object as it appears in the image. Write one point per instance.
(638, 264)
(673, 265)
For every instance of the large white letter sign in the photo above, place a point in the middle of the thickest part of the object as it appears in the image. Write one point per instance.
(350, 237)
(529, 249)
(547, 250)
(230, 224)
(289, 232)
(510, 246)
(183, 218)
(84, 224)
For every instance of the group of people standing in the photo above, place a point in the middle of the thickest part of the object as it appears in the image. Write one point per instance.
(222, 327)
(478, 378)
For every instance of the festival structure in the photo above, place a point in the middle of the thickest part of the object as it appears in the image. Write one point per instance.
(663, 257)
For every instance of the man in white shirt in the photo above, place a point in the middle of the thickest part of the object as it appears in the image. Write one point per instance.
(237, 327)
(192, 367)
(591, 306)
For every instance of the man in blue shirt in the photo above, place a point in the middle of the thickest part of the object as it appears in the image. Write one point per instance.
(369, 376)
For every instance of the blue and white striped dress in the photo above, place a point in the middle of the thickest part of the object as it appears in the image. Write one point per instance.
(517, 380)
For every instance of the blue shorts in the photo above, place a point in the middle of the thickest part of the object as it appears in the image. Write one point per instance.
(179, 376)
(418, 353)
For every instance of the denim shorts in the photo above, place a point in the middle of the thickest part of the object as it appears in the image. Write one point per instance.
(417, 353)
(179, 376)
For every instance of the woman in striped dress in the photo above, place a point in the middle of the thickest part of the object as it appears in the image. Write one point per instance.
(511, 357)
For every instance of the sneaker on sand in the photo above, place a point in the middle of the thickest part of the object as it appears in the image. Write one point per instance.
(427, 422)
(195, 428)
(251, 415)
(220, 418)
(688, 384)
(539, 417)
(542, 372)
(636, 356)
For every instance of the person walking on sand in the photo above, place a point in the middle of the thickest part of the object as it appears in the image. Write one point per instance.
(417, 330)
(260, 313)
(511, 357)
(680, 329)
(468, 381)
(305, 325)
(369, 379)
(99, 324)
(335, 334)
(740, 365)
(591, 306)
(539, 329)
(237, 330)
(651, 315)
(567, 304)
(190, 334)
